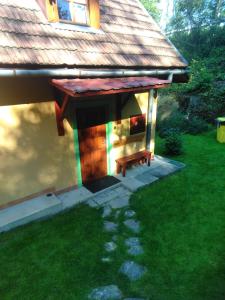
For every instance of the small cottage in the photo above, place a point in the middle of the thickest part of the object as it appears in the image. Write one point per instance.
(79, 82)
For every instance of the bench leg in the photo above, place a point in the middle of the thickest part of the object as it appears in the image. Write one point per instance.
(124, 170)
(118, 168)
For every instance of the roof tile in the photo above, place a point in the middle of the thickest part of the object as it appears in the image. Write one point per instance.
(128, 38)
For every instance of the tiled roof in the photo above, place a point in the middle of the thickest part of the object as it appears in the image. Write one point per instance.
(79, 87)
(128, 38)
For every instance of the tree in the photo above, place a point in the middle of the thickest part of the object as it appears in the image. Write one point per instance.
(189, 15)
(152, 7)
(197, 29)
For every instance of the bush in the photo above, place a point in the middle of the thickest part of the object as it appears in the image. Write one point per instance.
(176, 121)
(196, 126)
(173, 143)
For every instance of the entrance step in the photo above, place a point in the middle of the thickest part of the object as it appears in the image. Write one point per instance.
(29, 211)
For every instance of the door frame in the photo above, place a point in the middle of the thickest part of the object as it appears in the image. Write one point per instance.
(109, 108)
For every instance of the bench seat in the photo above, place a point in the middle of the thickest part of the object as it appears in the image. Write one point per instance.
(141, 156)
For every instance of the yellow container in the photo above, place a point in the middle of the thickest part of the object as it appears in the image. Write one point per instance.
(221, 130)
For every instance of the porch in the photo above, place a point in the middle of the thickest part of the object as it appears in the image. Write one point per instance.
(116, 196)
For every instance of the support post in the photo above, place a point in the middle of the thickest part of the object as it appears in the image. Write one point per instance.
(59, 111)
(151, 121)
(59, 120)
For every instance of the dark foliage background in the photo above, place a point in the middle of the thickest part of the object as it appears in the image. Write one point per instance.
(197, 29)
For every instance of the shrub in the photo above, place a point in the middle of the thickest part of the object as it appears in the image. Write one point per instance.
(176, 121)
(173, 143)
(197, 125)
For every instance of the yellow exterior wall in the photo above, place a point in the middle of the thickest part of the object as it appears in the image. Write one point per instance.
(138, 104)
(33, 156)
(25, 90)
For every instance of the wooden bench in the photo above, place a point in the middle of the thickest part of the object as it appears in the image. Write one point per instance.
(142, 156)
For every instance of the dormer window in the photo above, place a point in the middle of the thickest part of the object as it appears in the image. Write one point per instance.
(78, 12)
(73, 11)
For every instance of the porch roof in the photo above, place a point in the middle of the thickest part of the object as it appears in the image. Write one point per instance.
(101, 86)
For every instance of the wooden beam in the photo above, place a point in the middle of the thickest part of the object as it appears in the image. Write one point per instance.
(59, 120)
(59, 111)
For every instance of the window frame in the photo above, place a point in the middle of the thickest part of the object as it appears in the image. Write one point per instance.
(87, 24)
(140, 127)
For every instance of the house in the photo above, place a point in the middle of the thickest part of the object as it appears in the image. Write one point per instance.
(79, 83)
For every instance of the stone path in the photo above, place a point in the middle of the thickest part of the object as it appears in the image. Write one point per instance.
(120, 222)
(113, 198)
(135, 250)
(111, 292)
(132, 270)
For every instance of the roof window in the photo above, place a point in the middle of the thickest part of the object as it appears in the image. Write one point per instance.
(79, 12)
(73, 11)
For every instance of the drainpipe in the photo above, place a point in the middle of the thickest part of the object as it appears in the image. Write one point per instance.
(88, 73)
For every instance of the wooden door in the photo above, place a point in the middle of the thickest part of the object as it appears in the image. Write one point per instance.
(92, 143)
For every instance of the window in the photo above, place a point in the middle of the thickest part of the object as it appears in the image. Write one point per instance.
(74, 11)
(137, 124)
(81, 12)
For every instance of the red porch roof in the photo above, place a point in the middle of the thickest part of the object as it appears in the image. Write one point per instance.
(102, 86)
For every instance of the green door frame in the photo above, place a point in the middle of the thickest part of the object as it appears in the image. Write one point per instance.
(109, 129)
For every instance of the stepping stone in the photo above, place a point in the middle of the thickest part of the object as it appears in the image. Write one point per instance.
(110, 246)
(147, 178)
(135, 250)
(106, 212)
(119, 202)
(129, 213)
(133, 225)
(132, 270)
(106, 259)
(110, 292)
(132, 184)
(110, 226)
(132, 241)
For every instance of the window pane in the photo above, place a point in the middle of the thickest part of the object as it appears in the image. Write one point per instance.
(79, 12)
(80, 1)
(64, 10)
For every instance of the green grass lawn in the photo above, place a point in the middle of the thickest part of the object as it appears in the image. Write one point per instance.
(183, 233)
